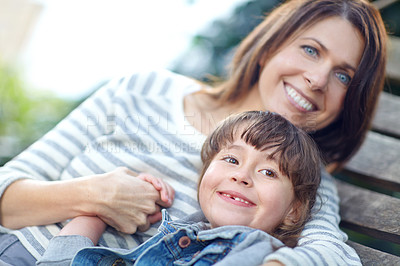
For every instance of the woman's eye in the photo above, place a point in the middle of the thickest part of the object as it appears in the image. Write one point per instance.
(343, 78)
(231, 160)
(269, 173)
(310, 50)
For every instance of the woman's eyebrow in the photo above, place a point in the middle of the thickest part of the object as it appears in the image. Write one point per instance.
(348, 66)
(323, 47)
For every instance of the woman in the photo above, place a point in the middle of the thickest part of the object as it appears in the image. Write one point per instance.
(320, 64)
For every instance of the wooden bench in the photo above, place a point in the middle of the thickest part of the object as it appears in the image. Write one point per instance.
(377, 166)
(369, 185)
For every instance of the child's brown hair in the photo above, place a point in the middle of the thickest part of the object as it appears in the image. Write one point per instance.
(296, 152)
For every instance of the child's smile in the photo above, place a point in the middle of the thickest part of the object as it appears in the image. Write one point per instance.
(236, 199)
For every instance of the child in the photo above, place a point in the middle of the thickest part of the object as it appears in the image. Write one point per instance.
(258, 184)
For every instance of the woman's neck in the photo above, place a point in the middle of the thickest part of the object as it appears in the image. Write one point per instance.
(204, 112)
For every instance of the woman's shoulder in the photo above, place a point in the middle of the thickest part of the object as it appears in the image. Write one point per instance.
(156, 82)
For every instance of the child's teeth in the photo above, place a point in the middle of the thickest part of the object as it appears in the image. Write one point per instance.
(235, 198)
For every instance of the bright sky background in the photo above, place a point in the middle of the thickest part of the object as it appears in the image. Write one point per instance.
(78, 43)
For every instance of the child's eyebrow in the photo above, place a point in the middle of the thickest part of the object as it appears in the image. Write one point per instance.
(269, 158)
(234, 147)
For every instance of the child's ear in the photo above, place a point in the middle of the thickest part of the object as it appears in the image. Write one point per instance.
(295, 213)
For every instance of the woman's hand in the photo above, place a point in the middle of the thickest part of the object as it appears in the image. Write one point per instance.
(119, 198)
(167, 194)
(127, 202)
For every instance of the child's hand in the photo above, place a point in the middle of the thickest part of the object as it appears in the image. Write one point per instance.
(167, 193)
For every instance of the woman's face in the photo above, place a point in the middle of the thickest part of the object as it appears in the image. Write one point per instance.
(306, 81)
(242, 186)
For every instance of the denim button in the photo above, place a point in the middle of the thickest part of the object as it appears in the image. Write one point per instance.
(184, 241)
(119, 262)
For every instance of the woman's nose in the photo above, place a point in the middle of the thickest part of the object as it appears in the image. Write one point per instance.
(317, 79)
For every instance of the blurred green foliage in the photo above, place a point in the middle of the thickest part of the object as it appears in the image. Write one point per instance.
(212, 49)
(391, 16)
(25, 115)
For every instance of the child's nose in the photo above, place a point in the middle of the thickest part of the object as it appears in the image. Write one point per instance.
(242, 178)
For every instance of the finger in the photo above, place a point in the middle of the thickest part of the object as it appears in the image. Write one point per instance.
(131, 229)
(142, 221)
(144, 227)
(118, 227)
(152, 180)
(164, 192)
(168, 195)
(171, 193)
(164, 204)
(155, 217)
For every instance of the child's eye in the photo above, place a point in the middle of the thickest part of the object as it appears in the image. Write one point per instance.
(343, 78)
(309, 50)
(231, 160)
(269, 173)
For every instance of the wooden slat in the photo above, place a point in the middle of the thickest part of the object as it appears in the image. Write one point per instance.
(369, 212)
(370, 256)
(377, 162)
(387, 118)
(393, 64)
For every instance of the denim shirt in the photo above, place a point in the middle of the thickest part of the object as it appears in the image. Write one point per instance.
(189, 241)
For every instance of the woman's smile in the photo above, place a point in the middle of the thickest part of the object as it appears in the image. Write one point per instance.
(298, 100)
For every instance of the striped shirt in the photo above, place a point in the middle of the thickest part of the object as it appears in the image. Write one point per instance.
(138, 121)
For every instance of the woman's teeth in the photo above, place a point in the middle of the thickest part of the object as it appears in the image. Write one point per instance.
(235, 198)
(299, 99)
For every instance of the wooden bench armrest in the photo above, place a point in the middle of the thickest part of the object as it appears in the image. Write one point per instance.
(370, 256)
(369, 212)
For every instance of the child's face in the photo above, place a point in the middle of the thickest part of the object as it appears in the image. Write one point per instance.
(243, 187)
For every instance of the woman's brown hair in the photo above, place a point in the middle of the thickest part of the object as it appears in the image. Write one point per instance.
(342, 138)
(297, 155)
